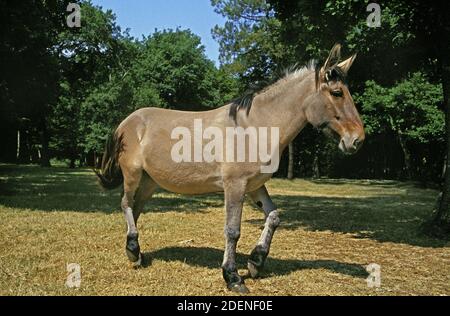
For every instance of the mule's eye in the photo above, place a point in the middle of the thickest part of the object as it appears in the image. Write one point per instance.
(337, 93)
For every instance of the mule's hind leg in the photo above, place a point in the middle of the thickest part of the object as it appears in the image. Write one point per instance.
(131, 181)
(259, 254)
(145, 191)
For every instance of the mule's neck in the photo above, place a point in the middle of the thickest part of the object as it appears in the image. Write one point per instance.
(283, 106)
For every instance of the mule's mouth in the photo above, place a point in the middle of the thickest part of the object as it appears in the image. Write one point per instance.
(347, 150)
(348, 145)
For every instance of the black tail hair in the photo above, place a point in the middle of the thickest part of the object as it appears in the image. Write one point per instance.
(110, 175)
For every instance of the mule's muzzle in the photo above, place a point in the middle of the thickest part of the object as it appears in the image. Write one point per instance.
(350, 144)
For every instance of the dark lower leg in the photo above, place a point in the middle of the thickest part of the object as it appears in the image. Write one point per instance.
(146, 188)
(132, 248)
(229, 270)
(234, 198)
(259, 254)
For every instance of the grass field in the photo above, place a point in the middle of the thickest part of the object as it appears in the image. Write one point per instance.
(330, 231)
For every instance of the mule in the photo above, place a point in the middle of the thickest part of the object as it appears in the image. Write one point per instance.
(138, 154)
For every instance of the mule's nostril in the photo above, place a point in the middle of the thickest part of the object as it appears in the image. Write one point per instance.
(356, 143)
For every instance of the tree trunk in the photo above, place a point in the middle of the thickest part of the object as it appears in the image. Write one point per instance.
(442, 216)
(406, 155)
(23, 143)
(290, 174)
(8, 130)
(316, 169)
(72, 163)
(22, 149)
(45, 157)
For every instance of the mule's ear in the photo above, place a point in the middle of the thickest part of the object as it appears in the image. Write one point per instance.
(333, 58)
(346, 64)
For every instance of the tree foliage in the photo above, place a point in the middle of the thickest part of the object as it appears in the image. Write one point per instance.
(106, 75)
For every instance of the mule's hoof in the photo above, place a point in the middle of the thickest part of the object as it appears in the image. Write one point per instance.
(139, 263)
(132, 248)
(256, 261)
(238, 288)
(253, 270)
(133, 256)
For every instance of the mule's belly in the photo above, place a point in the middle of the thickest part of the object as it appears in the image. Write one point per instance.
(186, 178)
(201, 178)
(204, 185)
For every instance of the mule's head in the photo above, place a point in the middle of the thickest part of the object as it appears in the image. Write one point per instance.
(331, 108)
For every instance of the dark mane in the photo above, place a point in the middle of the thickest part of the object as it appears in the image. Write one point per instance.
(245, 101)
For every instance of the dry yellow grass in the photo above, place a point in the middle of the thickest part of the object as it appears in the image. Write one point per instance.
(331, 230)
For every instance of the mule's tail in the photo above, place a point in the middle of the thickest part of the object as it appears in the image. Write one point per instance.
(110, 175)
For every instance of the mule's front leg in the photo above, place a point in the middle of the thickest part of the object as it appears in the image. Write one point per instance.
(259, 254)
(234, 197)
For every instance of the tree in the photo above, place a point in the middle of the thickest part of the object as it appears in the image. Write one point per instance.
(29, 76)
(249, 41)
(408, 110)
(290, 173)
(174, 63)
(88, 56)
(431, 30)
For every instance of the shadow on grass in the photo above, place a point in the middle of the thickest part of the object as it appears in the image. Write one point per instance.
(64, 189)
(387, 215)
(211, 258)
(385, 218)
